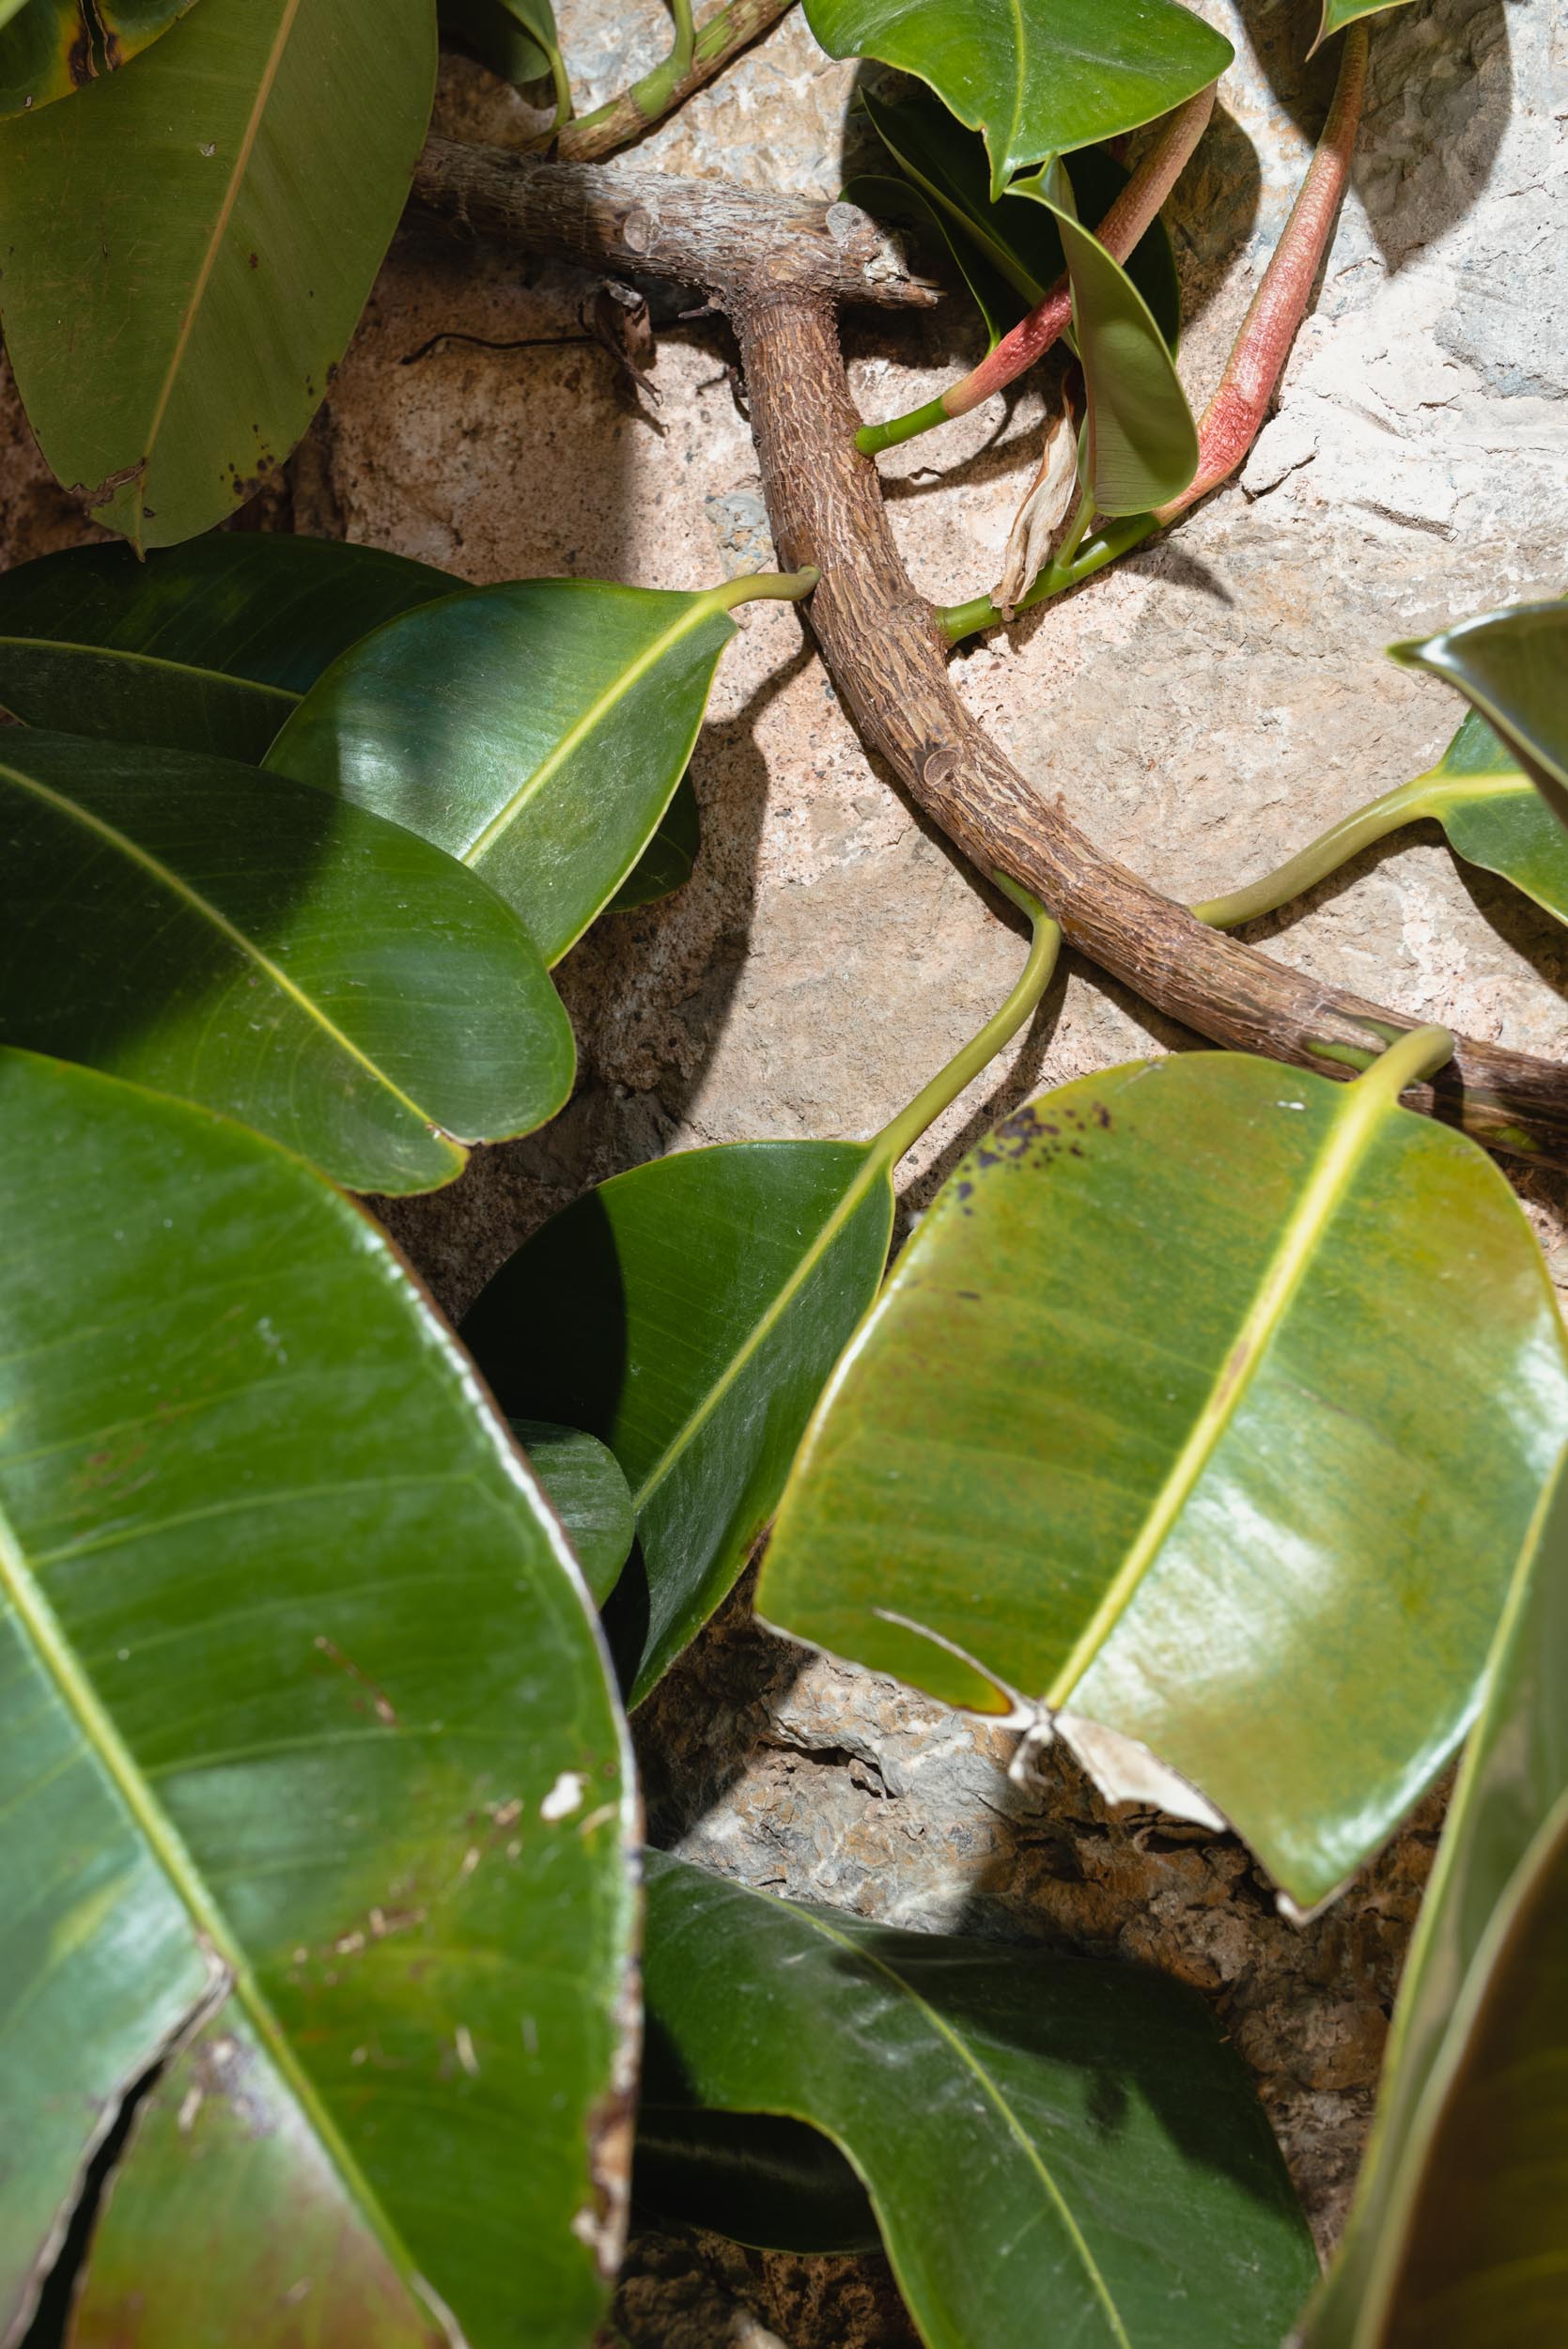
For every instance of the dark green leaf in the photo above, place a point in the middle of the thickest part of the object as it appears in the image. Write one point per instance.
(53, 47)
(1035, 77)
(687, 1314)
(516, 38)
(905, 201)
(666, 863)
(1017, 240)
(1456, 2238)
(1140, 445)
(245, 942)
(202, 647)
(1200, 1384)
(1056, 2150)
(172, 326)
(310, 1759)
(1510, 665)
(752, 2176)
(536, 731)
(584, 1486)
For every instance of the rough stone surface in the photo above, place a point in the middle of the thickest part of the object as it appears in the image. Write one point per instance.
(1205, 709)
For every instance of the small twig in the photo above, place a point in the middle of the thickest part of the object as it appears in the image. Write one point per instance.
(722, 34)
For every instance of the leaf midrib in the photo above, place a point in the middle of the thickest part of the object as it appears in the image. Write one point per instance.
(855, 1192)
(1358, 1113)
(576, 733)
(182, 890)
(150, 660)
(101, 1738)
(243, 152)
(989, 2086)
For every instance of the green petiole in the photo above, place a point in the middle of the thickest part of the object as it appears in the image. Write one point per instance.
(905, 1130)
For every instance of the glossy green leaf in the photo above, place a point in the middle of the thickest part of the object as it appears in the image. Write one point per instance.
(516, 38)
(1203, 1382)
(1337, 14)
(1140, 442)
(583, 1485)
(688, 1313)
(1456, 2238)
(536, 731)
(1057, 2151)
(1016, 240)
(310, 1767)
(173, 326)
(1510, 665)
(244, 941)
(60, 46)
(207, 646)
(1495, 817)
(1035, 77)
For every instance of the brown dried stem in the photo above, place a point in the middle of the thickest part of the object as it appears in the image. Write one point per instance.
(777, 269)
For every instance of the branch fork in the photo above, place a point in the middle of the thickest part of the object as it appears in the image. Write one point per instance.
(781, 272)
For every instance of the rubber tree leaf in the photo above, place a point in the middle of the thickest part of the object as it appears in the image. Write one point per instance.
(1510, 667)
(312, 1770)
(1015, 241)
(207, 646)
(887, 199)
(1055, 2150)
(756, 2177)
(58, 46)
(1139, 442)
(516, 38)
(1495, 817)
(536, 731)
(173, 326)
(1456, 2235)
(244, 941)
(584, 1486)
(1337, 14)
(1034, 77)
(1200, 1383)
(688, 1313)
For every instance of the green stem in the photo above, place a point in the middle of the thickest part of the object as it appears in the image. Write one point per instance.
(766, 587)
(1417, 1055)
(654, 95)
(562, 80)
(1314, 864)
(686, 37)
(1108, 544)
(928, 1104)
(1063, 559)
(873, 437)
